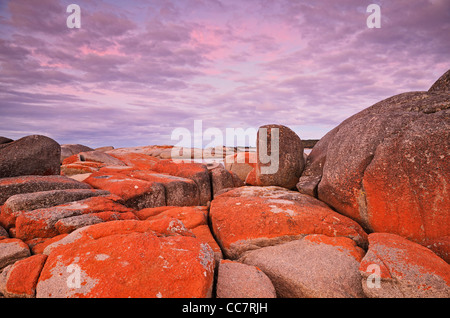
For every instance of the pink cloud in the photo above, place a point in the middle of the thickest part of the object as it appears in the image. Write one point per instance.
(148, 67)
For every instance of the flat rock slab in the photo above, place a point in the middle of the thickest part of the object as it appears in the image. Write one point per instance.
(251, 217)
(194, 218)
(72, 223)
(98, 156)
(138, 161)
(28, 184)
(43, 223)
(127, 259)
(18, 203)
(136, 193)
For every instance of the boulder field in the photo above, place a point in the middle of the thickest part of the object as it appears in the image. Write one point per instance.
(366, 214)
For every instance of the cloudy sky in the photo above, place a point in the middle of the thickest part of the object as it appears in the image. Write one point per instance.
(136, 69)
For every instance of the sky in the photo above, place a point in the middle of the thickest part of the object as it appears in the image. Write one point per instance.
(137, 70)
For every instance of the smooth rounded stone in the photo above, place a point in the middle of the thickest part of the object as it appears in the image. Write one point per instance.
(29, 184)
(166, 154)
(386, 167)
(440, 246)
(11, 250)
(237, 280)
(31, 155)
(156, 152)
(312, 172)
(316, 266)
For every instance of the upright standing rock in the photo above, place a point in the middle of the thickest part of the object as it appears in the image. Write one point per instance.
(280, 159)
(31, 155)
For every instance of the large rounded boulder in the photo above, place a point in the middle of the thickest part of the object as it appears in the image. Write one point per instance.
(387, 166)
(30, 155)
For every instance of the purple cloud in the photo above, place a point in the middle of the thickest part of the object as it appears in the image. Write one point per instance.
(136, 70)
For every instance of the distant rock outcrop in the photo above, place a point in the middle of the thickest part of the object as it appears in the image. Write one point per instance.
(309, 143)
(68, 150)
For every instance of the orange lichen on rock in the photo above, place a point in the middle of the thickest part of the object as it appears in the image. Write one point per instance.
(241, 223)
(407, 269)
(138, 161)
(136, 193)
(128, 259)
(19, 280)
